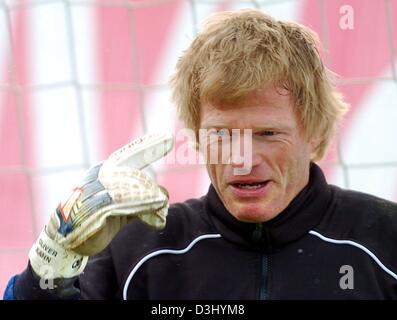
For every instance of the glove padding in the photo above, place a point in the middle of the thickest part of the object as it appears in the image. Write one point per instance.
(110, 195)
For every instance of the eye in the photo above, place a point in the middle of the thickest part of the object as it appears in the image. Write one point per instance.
(268, 133)
(222, 132)
(219, 132)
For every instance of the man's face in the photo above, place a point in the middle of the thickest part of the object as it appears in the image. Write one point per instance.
(280, 154)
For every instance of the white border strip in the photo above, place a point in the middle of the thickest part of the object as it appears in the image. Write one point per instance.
(357, 245)
(164, 251)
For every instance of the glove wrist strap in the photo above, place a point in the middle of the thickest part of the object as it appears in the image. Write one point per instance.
(50, 260)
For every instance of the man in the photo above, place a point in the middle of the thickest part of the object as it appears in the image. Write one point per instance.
(278, 231)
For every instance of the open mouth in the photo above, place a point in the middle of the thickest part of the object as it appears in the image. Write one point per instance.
(250, 186)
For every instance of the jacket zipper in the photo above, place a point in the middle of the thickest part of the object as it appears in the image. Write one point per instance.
(259, 234)
(264, 277)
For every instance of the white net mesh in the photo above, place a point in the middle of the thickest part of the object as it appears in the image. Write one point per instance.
(78, 79)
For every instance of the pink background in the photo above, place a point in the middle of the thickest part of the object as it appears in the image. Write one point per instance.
(79, 79)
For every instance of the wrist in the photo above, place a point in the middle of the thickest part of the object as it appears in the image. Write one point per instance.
(50, 260)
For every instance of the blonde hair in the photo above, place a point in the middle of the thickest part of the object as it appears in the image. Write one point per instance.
(240, 51)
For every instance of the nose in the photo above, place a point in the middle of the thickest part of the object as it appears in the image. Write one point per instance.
(237, 155)
(243, 157)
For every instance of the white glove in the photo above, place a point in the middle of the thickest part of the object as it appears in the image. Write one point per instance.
(110, 195)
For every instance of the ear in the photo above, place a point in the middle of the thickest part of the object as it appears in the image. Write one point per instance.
(313, 145)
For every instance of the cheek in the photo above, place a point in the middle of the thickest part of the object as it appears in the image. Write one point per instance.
(288, 161)
(295, 166)
(215, 172)
(278, 154)
(214, 152)
(289, 151)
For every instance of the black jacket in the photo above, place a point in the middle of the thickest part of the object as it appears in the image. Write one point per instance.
(328, 243)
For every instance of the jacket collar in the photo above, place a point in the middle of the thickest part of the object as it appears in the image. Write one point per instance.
(303, 213)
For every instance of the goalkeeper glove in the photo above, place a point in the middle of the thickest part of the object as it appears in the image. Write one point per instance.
(110, 195)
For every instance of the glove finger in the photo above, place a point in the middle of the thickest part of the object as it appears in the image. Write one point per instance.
(142, 151)
(156, 219)
(101, 238)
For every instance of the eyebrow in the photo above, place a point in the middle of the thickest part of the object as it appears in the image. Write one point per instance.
(274, 126)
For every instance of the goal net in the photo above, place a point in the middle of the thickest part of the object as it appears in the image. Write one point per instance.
(80, 78)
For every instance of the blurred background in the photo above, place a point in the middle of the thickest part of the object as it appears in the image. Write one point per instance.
(80, 78)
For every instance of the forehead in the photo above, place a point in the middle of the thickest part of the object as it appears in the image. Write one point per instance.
(265, 106)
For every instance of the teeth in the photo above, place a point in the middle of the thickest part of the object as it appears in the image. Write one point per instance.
(251, 186)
